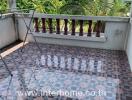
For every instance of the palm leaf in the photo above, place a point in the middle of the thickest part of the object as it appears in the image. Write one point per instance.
(73, 9)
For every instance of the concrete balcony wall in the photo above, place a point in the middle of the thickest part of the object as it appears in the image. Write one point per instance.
(7, 30)
(118, 34)
(129, 46)
(115, 32)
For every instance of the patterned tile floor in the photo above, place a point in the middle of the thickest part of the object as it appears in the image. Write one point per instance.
(87, 71)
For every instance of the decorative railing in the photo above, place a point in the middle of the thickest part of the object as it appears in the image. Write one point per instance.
(67, 30)
(89, 31)
(53, 25)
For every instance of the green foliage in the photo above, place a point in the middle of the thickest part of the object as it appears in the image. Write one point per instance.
(24, 4)
(118, 9)
(94, 7)
(74, 7)
(3, 6)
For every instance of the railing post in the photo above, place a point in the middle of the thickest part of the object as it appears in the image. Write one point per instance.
(73, 27)
(58, 26)
(98, 28)
(43, 25)
(36, 25)
(66, 27)
(50, 25)
(81, 28)
(90, 28)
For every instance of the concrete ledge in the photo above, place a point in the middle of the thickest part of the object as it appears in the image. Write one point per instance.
(77, 17)
(70, 37)
(3, 16)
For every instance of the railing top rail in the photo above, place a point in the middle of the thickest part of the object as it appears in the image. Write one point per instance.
(6, 15)
(77, 17)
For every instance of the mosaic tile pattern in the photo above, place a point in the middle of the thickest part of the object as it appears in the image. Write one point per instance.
(69, 69)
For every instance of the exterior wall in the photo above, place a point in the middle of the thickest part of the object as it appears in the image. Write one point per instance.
(115, 32)
(129, 47)
(7, 31)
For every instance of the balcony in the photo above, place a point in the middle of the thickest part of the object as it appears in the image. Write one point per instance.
(84, 54)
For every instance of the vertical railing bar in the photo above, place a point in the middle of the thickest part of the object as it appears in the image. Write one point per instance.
(36, 26)
(58, 26)
(43, 25)
(66, 27)
(98, 28)
(73, 27)
(90, 28)
(81, 28)
(50, 25)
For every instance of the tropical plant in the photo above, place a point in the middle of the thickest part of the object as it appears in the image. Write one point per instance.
(73, 7)
(24, 4)
(3, 6)
(43, 6)
(119, 8)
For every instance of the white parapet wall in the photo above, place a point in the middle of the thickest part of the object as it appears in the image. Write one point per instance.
(129, 46)
(7, 30)
(115, 33)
